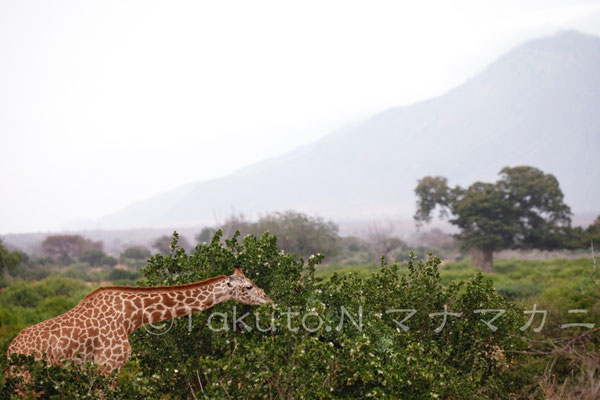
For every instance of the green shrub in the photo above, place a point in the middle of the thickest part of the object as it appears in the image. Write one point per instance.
(379, 360)
(74, 380)
(97, 258)
(136, 253)
(119, 276)
(26, 303)
(359, 350)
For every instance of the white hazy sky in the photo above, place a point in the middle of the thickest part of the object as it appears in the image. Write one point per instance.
(107, 102)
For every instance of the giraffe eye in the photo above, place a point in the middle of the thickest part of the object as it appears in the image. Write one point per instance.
(229, 284)
(248, 287)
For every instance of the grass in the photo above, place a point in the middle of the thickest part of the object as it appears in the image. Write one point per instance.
(362, 270)
(523, 280)
(518, 280)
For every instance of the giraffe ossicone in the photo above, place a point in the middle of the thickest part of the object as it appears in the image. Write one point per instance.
(98, 328)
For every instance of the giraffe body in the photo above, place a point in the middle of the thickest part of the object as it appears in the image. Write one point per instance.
(98, 328)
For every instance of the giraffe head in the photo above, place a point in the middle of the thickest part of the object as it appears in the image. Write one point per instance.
(243, 290)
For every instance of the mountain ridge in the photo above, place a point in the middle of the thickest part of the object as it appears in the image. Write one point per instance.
(537, 105)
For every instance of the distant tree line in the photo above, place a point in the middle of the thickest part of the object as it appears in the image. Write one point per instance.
(582, 238)
(136, 253)
(304, 235)
(68, 248)
(296, 232)
(71, 256)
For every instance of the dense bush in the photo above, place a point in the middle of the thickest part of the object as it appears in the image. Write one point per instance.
(123, 276)
(71, 380)
(136, 253)
(380, 359)
(357, 351)
(24, 303)
(97, 258)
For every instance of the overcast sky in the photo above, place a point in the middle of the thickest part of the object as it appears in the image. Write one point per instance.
(108, 102)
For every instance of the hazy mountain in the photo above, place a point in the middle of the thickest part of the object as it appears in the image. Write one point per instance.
(537, 105)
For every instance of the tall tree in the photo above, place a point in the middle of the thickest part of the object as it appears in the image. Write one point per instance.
(523, 209)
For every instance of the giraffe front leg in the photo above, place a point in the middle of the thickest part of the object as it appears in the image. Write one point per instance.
(122, 354)
(112, 356)
(119, 356)
(105, 365)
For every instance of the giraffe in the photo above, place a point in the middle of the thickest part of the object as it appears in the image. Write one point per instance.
(98, 328)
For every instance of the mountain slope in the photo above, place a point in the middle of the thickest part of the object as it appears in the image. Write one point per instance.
(537, 105)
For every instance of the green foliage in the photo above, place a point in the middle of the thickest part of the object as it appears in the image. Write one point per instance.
(21, 294)
(82, 272)
(75, 380)
(540, 209)
(24, 303)
(525, 281)
(432, 192)
(378, 360)
(362, 270)
(562, 362)
(163, 244)
(97, 258)
(363, 353)
(109, 261)
(8, 261)
(123, 276)
(32, 269)
(93, 257)
(66, 247)
(136, 253)
(579, 238)
(524, 209)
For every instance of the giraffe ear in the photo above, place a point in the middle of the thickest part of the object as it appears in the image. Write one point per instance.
(237, 271)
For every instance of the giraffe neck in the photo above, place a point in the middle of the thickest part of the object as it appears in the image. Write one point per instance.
(154, 306)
